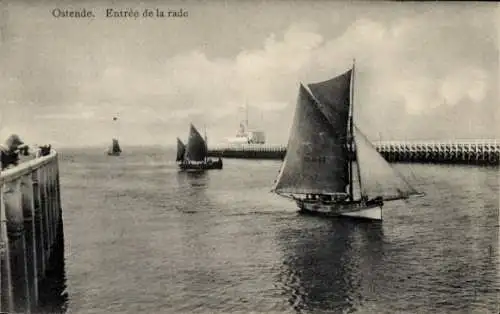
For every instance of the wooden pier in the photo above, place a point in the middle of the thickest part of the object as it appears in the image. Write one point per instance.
(485, 151)
(30, 227)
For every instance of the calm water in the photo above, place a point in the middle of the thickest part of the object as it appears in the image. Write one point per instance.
(140, 237)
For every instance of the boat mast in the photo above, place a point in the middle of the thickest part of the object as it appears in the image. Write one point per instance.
(351, 133)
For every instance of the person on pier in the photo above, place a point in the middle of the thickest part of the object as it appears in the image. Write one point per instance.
(44, 150)
(9, 151)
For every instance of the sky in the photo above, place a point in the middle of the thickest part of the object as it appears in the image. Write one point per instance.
(423, 70)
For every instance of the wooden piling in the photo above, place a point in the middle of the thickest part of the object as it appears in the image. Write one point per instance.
(39, 227)
(7, 301)
(17, 244)
(29, 229)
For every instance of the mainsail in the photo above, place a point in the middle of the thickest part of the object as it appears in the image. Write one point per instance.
(196, 149)
(181, 150)
(316, 153)
(377, 177)
(333, 97)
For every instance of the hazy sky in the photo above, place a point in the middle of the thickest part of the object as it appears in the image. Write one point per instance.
(423, 70)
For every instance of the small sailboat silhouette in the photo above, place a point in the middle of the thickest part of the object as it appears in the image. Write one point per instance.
(114, 148)
(193, 156)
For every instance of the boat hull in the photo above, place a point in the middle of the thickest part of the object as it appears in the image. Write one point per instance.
(200, 166)
(363, 210)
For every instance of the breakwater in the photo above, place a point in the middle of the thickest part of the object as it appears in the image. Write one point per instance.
(30, 231)
(485, 151)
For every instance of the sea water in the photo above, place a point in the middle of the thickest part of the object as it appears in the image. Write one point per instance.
(142, 237)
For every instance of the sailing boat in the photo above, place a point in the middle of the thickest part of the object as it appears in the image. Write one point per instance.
(318, 171)
(114, 148)
(193, 156)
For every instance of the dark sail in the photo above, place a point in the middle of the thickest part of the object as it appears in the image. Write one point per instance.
(316, 156)
(196, 149)
(181, 150)
(377, 177)
(116, 147)
(334, 101)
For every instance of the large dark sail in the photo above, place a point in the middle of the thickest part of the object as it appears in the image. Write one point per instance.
(196, 149)
(316, 156)
(181, 150)
(334, 100)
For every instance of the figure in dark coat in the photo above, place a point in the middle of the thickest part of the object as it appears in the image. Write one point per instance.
(9, 151)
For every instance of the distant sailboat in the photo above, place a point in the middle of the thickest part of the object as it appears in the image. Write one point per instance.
(114, 149)
(318, 171)
(193, 156)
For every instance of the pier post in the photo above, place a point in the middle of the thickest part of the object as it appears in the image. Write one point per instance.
(6, 298)
(17, 245)
(53, 199)
(58, 195)
(29, 227)
(48, 208)
(39, 226)
(47, 236)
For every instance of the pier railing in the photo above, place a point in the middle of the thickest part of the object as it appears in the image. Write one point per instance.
(30, 217)
(484, 151)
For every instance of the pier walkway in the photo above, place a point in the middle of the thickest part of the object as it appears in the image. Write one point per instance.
(484, 151)
(30, 224)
